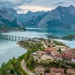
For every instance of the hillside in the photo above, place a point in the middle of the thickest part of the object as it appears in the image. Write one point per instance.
(8, 19)
(59, 17)
(4, 28)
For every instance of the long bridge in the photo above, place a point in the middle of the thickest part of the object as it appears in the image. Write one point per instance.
(14, 38)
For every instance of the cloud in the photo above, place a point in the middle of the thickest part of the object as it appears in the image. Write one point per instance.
(69, 0)
(59, 3)
(20, 10)
(35, 5)
(13, 3)
(33, 8)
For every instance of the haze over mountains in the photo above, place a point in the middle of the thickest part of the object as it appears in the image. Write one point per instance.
(59, 17)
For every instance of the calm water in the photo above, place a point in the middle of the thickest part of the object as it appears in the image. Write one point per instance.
(9, 49)
(43, 32)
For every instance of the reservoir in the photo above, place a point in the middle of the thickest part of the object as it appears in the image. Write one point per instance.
(10, 49)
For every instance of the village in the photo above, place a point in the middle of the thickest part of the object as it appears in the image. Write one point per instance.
(54, 51)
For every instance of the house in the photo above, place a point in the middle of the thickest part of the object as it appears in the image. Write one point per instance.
(39, 70)
(52, 73)
(49, 50)
(67, 55)
(32, 74)
(57, 56)
(63, 48)
(37, 55)
(71, 72)
(49, 43)
(40, 53)
(57, 70)
(46, 57)
(70, 55)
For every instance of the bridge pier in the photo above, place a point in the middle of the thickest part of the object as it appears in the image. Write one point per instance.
(18, 38)
(9, 38)
(12, 38)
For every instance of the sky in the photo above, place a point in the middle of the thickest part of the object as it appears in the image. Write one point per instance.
(22, 6)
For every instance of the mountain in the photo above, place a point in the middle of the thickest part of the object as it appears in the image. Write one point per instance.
(11, 18)
(28, 16)
(4, 28)
(22, 17)
(59, 17)
(10, 11)
(7, 18)
(62, 17)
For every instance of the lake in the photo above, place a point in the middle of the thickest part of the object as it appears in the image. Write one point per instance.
(10, 49)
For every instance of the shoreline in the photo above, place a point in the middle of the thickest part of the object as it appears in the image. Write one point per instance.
(13, 30)
(22, 46)
(69, 37)
(21, 57)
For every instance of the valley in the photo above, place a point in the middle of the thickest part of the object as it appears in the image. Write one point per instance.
(41, 42)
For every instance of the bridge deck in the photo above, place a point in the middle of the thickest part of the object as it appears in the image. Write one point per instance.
(14, 38)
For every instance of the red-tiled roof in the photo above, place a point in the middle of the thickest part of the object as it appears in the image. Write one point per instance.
(70, 71)
(68, 54)
(57, 70)
(49, 49)
(52, 73)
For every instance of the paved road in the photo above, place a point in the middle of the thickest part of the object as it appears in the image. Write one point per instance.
(44, 44)
(23, 64)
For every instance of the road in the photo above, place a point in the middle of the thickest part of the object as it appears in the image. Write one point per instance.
(23, 64)
(44, 44)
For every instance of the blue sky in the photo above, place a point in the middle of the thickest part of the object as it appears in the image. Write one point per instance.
(35, 5)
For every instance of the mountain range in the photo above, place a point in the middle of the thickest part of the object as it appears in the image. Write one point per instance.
(60, 17)
(8, 19)
(11, 18)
